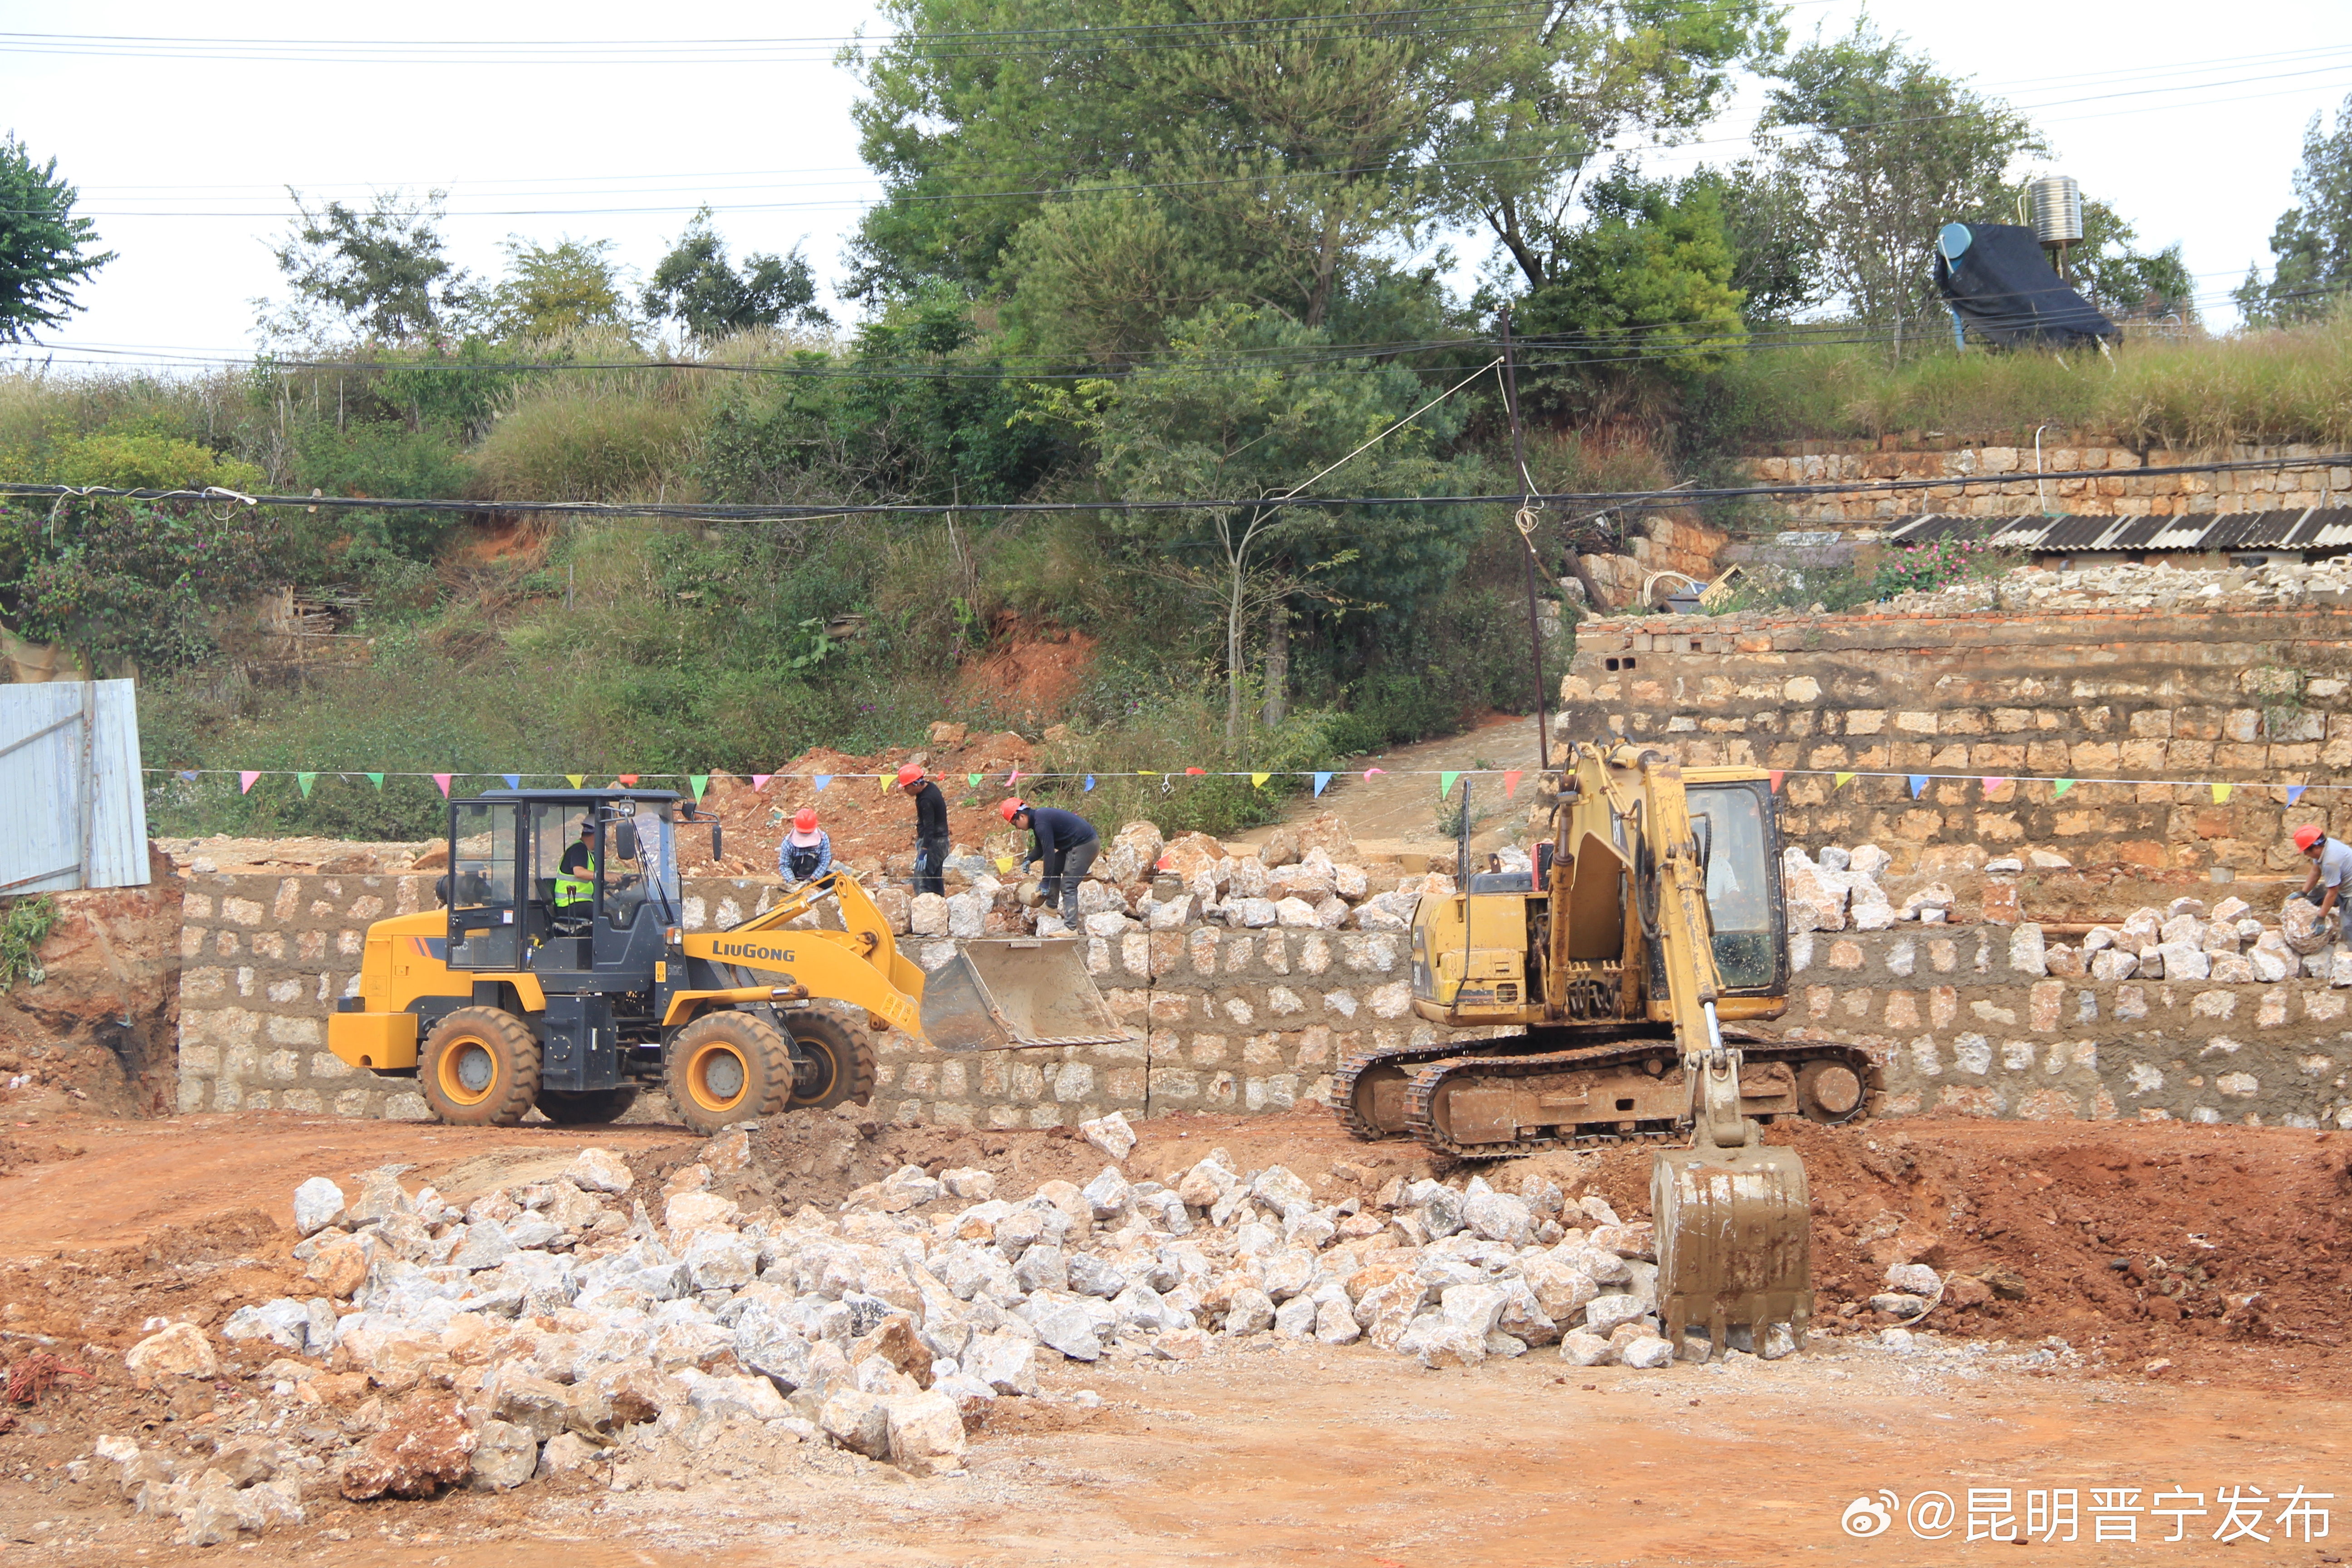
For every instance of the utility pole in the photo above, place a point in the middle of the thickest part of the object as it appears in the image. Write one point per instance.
(1526, 521)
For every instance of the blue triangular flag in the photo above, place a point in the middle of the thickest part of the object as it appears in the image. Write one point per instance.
(514, 780)
(1090, 785)
(1918, 785)
(823, 780)
(188, 775)
(1320, 780)
(2295, 792)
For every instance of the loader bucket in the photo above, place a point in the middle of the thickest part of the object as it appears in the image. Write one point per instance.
(1735, 1246)
(994, 995)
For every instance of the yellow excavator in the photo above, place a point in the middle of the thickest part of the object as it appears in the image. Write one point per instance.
(558, 974)
(1603, 981)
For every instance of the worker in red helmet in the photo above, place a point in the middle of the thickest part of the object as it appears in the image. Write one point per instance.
(931, 829)
(2331, 864)
(1065, 841)
(806, 852)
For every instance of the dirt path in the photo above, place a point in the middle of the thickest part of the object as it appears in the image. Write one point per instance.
(1397, 810)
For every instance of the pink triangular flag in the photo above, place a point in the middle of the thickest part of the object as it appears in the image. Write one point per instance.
(245, 779)
(1369, 771)
(1511, 783)
(443, 780)
(1992, 782)
(760, 781)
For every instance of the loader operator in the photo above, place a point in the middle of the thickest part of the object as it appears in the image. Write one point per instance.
(1065, 841)
(575, 880)
(930, 830)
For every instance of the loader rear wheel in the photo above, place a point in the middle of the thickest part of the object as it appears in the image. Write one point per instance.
(835, 1066)
(480, 1068)
(586, 1109)
(726, 1067)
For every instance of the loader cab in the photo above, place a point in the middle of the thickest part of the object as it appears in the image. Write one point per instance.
(506, 859)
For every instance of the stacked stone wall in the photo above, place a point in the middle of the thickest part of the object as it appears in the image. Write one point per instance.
(2115, 490)
(2256, 700)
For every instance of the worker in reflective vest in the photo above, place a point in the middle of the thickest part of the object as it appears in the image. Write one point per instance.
(575, 881)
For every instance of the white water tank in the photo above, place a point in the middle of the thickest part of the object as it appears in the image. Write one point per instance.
(2057, 209)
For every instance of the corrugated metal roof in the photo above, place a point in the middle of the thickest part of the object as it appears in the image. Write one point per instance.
(77, 807)
(2316, 528)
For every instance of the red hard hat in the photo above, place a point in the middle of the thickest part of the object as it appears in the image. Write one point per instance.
(1012, 808)
(806, 819)
(910, 774)
(2308, 834)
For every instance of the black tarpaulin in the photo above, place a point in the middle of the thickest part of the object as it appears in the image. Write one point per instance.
(1996, 277)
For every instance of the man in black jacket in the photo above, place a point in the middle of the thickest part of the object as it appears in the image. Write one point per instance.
(930, 830)
(1065, 841)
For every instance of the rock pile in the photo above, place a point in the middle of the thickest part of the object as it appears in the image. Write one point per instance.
(1308, 877)
(2183, 941)
(1841, 889)
(2128, 586)
(568, 1325)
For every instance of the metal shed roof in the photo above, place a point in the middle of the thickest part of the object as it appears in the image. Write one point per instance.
(2307, 528)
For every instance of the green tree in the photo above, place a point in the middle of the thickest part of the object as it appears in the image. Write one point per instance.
(704, 292)
(44, 249)
(551, 290)
(1891, 150)
(2129, 284)
(1774, 234)
(377, 272)
(2311, 245)
(111, 579)
(1136, 160)
(1643, 284)
(1215, 420)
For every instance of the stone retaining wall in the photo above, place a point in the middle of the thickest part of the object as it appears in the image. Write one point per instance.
(1237, 1021)
(2254, 698)
(2116, 491)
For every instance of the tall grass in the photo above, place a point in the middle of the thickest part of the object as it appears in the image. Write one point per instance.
(2192, 393)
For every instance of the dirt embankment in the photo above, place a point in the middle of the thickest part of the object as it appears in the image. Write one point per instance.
(101, 1031)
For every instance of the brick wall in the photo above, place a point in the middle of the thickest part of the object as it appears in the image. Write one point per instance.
(2117, 490)
(1966, 1020)
(2256, 699)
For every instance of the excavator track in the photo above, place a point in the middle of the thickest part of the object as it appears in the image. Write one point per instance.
(1424, 1069)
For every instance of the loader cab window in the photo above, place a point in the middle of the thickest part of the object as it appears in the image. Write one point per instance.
(486, 847)
(1732, 821)
(559, 899)
(642, 869)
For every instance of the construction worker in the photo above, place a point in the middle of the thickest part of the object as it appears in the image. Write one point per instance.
(1065, 841)
(930, 830)
(806, 852)
(575, 879)
(2331, 864)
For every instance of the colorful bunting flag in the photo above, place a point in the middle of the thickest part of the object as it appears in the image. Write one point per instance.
(1012, 778)
(1259, 779)
(1320, 780)
(971, 779)
(1777, 774)
(630, 780)
(1511, 783)
(377, 780)
(2058, 788)
(1918, 785)
(760, 782)
(188, 775)
(576, 780)
(2220, 793)
(443, 781)
(303, 782)
(1445, 785)
(2295, 792)
(245, 777)
(822, 779)
(697, 783)
(1090, 785)
(1993, 782)
(514, 780)
(1369, 771)
(1190, 771)
(1842, 780)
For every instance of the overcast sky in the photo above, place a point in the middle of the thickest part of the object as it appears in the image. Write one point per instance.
(2187, 118)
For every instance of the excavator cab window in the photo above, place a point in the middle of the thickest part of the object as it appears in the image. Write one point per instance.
(485, 866)
(1734, 821)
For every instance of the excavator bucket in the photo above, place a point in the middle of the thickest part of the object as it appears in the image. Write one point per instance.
(1735, 1247)
(994, 995)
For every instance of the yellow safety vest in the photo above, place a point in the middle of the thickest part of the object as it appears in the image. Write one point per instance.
(577, 889)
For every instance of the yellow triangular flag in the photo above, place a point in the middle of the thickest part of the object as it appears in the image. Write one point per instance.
(1259, 779)
(2220, 793)
(577, 779)
(1842, 780)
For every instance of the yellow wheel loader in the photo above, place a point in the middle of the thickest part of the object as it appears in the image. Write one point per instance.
(1604, 980)
(558, 974)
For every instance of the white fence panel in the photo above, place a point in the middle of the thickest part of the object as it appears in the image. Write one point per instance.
(73, 808)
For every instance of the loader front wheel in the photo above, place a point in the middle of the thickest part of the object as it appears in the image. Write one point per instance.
(726, 1067)
(835, 1066)
(480, 1068)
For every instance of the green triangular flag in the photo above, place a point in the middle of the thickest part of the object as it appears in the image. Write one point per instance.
(1445, 785)
(376, 779)
(2062, 786)
(700, 782)
(303, 781)
(971, 779)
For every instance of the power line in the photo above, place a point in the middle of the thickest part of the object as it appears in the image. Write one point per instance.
(1607, 500)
